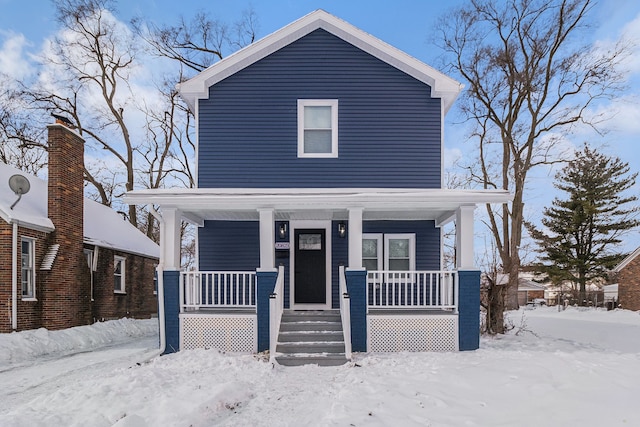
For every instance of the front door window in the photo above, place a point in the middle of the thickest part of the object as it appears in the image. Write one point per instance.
(310, 267)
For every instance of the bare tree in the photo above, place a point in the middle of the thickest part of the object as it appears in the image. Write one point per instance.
(21, 145)
(530, 80)
(199, 42)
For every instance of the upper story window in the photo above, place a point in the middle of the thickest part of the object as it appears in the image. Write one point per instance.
(317, 128)
(119, 276)
(28, 270)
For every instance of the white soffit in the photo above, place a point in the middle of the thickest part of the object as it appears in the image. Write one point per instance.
(243, 204)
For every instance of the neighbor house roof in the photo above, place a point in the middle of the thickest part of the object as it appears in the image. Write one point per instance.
(102, 225)
(442, 86)
(627, 260)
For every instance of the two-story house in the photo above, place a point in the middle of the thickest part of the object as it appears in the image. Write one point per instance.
(319, 204)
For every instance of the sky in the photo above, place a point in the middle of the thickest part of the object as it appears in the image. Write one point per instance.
(555, 368)
(405, 24)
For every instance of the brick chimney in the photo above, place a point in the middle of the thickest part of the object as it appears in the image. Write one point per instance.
(65, 294)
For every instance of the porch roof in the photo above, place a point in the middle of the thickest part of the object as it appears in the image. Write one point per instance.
(199, 204)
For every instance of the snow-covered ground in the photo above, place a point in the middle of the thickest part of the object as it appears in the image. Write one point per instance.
(570, 368)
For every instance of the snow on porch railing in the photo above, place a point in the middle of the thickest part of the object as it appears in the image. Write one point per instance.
(276, 307)
(345, 313)
(217, 289)
(412, 289)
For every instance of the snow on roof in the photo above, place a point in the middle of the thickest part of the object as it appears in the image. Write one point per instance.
(627, 260)
(102, 225)
(31, 210)
(442, 86)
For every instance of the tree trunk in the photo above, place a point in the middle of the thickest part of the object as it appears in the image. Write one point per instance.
(495, 309)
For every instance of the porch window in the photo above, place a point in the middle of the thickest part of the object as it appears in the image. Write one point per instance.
(119, 276)
(27, 256)
(317, 128)
(398, 253)
(372, 251)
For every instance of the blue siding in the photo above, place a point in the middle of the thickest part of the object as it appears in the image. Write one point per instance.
(229, 245)
(469, 310)
(427, 239)
(357, 288)
(389, 126)
(171, 288)
(339, 256)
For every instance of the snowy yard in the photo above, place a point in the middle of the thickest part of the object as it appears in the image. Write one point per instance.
(571, 368)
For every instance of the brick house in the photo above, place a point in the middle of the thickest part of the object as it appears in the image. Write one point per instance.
(628, 275)
(67, 260)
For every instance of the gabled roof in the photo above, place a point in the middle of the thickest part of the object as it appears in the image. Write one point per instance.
(102, 225)
(627, 260)
(442, 86)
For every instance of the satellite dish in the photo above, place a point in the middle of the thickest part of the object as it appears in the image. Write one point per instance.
(19, 185)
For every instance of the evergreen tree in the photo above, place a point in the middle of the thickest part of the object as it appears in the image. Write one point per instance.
(582, 231)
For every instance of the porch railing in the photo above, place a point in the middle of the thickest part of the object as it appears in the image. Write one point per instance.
(276, 307)
(345, 313)
(217, 289)
(412, 289)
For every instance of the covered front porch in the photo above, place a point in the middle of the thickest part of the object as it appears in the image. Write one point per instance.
(382, 307)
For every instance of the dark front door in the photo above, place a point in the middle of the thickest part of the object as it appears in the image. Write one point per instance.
(310, 266)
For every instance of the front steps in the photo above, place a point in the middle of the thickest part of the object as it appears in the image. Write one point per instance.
(311, 337)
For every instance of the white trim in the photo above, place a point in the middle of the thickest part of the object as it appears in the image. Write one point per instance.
(464, 238)
(442, 86)
(412, 248)
(14, 277)
(627, 260)
(377, 203)
(123, 274)
(293, 225)
(32, 261)
(380, 255)
(267, 239)
(354, 233)
(333, 104)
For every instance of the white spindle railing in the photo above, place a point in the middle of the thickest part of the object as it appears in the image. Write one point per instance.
(345, 313)
(217, 289)
(412, 289)
(276, 307)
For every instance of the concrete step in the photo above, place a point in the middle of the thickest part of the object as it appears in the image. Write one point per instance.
(300, 316)
(310, 325)
(311, 337)
(306, 336)
(312, 359)
(329, 347)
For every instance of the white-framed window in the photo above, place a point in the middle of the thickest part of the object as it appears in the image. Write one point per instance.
(155, 279)
(317, 128)
(372, 251)
(28, 270)
(400, 252)
(119, 274)
(394, 252)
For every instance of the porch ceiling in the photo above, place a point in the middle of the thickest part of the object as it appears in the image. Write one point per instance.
(199, 204)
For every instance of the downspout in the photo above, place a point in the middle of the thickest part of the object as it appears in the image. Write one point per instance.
(14, 277)
(160, 270)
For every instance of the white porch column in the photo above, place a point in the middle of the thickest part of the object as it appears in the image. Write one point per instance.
(170, 238)
(355, 238)
(464, 237)
(267, 239)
